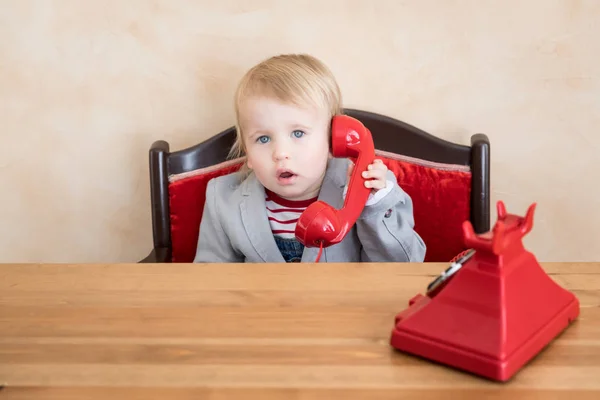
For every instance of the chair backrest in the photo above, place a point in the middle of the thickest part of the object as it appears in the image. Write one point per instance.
(448, 182)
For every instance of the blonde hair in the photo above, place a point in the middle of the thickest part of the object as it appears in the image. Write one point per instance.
(298, 79)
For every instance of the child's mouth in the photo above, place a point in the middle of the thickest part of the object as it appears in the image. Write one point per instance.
(286, 177)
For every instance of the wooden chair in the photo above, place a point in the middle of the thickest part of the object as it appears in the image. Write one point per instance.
(448, 182)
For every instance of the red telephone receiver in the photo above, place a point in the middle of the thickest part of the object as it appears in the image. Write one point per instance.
(321, 225)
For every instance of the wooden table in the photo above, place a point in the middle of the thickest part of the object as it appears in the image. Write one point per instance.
(260, 331)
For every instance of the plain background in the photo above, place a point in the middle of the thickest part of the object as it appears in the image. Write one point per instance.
(87, 86)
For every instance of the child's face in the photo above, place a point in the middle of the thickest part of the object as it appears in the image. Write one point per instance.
(286, 146)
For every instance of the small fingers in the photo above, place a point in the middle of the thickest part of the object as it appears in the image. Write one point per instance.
(375, 184)
(377, 165)
(374, 174)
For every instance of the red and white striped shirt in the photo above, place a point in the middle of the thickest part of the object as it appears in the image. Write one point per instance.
(283, 214)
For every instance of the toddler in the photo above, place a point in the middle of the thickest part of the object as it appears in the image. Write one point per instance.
(284, 107)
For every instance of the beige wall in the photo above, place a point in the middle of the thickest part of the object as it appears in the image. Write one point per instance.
(85, 87)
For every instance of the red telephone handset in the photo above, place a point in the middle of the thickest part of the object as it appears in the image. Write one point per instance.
(321, 224)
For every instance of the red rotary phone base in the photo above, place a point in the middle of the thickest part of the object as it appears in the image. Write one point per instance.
(495, 313)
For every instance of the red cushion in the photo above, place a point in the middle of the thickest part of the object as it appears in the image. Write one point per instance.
(187, 193)
(440, 194)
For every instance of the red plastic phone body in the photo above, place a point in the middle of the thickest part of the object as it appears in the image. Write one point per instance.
(495, 313)
(321, 224)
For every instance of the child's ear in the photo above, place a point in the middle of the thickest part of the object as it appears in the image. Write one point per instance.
(330, 135)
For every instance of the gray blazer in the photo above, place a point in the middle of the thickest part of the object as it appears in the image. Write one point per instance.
(235, 228)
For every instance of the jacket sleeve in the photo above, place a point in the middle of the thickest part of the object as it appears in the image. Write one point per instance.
(386, 229)
(213, 243)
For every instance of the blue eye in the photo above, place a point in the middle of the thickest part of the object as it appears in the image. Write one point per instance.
(298, 134)
(263, 139)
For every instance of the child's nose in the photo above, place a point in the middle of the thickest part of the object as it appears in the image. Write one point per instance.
(281, 152)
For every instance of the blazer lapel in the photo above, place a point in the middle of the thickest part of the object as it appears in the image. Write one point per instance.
(256, 223)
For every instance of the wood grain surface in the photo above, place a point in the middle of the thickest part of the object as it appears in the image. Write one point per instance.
(256, 331)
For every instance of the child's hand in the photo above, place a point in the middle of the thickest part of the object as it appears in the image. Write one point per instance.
(375, 175)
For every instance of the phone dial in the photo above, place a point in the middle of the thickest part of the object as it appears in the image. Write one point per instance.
(321, 225)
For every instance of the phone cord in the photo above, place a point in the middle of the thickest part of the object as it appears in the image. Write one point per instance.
(320, 251)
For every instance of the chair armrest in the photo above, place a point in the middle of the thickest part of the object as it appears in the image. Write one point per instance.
(158, 255)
